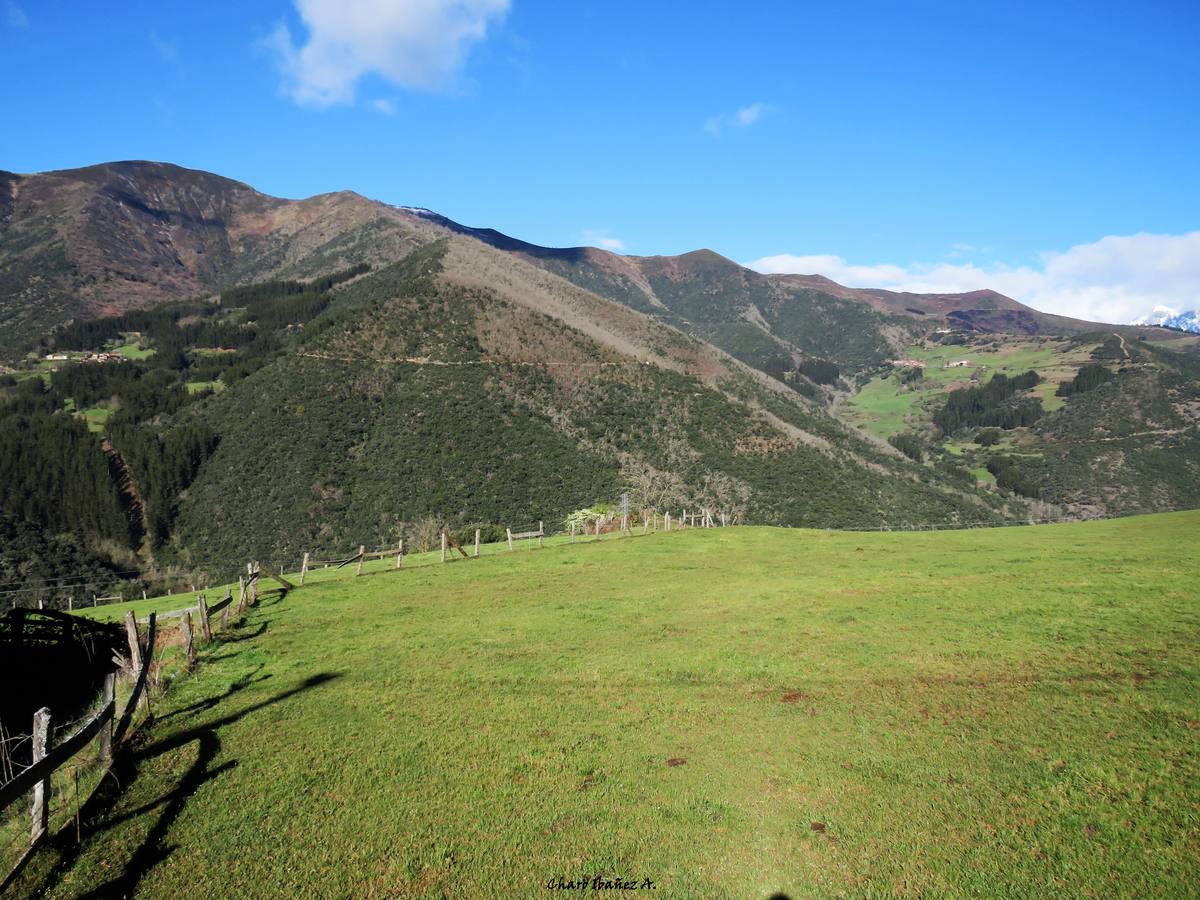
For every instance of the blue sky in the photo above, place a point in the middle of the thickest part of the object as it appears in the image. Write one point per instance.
(1049, 149)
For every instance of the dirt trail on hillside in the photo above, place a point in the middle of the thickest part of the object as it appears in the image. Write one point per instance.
(426, 361)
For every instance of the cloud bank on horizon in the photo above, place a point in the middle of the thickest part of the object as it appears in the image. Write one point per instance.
(1116, 279)
(418, 45)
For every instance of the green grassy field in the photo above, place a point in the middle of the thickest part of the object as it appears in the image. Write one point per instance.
(731, 713)
(884, 407)
(134, 351)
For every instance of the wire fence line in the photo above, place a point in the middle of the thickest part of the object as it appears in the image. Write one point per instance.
(17, 587)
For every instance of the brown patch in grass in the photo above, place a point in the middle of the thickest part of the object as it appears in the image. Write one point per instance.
(793, 697)
(676, 761)
(818, 827)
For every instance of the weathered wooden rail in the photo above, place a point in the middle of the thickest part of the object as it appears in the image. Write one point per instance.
(540, 534)
(37, 780)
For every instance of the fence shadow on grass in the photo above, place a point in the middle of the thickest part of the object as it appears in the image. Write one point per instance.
(245, 635)
(209, 702)
(99, 814)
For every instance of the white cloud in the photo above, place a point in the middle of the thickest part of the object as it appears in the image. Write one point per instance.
(743, 118)
(16, 16)
(1115, 279)
(415, 44)
(167, 50)
(385, 106)
(602, 237)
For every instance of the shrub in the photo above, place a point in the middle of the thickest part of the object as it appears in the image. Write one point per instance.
(987, 437)
(1087, 378)
(1009, 477)
(489, 533)
(908, 445)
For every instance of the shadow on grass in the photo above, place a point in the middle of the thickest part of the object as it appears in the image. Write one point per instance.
(209, 702)
(245, 635)
(263, 602)
(97, 814)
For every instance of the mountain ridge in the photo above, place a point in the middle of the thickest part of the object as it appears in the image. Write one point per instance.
(128, 234)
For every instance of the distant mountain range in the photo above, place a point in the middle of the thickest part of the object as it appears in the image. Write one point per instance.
(1171, 318)
(335, 369)
(129, 235)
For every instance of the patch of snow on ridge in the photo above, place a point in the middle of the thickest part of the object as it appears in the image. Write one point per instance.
(1171, 318)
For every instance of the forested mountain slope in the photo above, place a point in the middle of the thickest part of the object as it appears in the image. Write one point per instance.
(205, 373)
(472, 387)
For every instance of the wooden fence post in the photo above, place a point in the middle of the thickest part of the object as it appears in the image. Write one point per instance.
(304, 567)
(135, 643)
(205, 625)
(189, 646)
(241, 594)
(477, 542)
(666, 521)
(225, 611)
(443, 545)
(509, 532)
(39, 808)
(572, 531)
(362, 553)
(106, 731)
(400, 553)
(541, 534)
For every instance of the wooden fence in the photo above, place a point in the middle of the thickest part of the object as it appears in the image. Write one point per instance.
(37, 779)
(540, 534)
(113, 730)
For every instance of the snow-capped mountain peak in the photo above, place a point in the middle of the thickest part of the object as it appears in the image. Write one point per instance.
(1171, 318)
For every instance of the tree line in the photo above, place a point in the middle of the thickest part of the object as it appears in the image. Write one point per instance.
(991, 405)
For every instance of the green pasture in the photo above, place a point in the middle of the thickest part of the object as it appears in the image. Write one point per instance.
(1009, 712)
(134, 351)
(885, 407)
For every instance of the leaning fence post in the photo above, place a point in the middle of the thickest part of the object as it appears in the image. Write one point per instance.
(241, 594)
(225, 611)
(106, 730)
(39, 808)
(135, 643)
(205, 625)
(400, 554)
(443, 545)
(304, 567)
(509, 532)
(362, 553)
(476, 541)
(189, 646)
